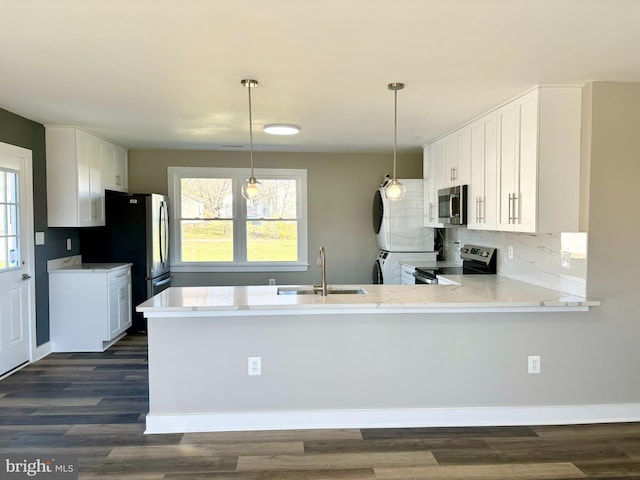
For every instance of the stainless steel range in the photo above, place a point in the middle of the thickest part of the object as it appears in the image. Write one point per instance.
(476, 260)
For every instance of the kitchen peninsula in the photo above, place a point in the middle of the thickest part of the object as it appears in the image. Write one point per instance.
(248, 358)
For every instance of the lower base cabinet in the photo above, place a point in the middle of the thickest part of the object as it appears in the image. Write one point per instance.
(89, 310)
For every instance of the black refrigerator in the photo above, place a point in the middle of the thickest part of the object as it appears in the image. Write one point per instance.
(137, 231)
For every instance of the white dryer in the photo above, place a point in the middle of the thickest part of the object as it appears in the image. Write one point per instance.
(399, 225)
(386, 269)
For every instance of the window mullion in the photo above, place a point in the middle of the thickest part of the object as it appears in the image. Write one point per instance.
(240, 221)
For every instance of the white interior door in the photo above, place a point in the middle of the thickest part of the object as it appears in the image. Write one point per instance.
(16, 256)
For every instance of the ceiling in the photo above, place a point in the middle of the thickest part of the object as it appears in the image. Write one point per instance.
(166, 73)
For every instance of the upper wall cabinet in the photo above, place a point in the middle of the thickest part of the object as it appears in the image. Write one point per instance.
(482, 193)
(115, 166)
(434, 162)
(457, 159)
(539, 161)
(76, 166)
(521, 162)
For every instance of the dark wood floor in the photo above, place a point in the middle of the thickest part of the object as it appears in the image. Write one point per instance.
(93, 406)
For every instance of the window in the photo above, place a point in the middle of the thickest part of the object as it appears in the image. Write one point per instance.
(9, 236)
(215, 229)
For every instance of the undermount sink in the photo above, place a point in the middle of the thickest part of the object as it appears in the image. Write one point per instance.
(306, 290)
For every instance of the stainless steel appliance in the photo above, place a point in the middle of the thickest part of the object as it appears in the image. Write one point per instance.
(452, 205)
(476, 260)
(136, 230)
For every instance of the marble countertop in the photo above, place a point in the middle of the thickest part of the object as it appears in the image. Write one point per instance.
(475, 293)
(90, 267)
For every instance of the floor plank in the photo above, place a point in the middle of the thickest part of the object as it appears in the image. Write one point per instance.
(483, 472)
(334, 461)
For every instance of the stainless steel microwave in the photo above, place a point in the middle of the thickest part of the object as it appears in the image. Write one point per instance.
(452, 205)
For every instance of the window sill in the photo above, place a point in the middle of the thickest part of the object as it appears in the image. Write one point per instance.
(293, 267)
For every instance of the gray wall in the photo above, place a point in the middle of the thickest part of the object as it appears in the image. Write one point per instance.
(340, 190)
(471, 359)
(19, 131)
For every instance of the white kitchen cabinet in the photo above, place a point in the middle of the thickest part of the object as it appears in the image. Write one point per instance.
(79, 167)
(539, 161)
(457, 158)
(115, 164)
(433, 161)
(90, 306)
(75, 193)
(482, 191)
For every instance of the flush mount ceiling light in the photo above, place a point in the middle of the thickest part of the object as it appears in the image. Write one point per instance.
(281, 129)
(394, 190)
(251, 187)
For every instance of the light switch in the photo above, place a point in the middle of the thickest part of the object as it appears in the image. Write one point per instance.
(39, 238)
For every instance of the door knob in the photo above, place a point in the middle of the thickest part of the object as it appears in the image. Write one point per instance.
(26, 276)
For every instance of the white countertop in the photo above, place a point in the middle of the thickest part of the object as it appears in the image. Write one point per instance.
(476, 293)
(90, 267)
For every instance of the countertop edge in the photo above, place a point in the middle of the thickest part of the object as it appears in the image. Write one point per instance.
(91, 268)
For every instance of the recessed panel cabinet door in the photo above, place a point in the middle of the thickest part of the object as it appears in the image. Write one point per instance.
(527, 198)
(507, 165)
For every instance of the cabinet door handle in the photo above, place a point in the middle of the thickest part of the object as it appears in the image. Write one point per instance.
(510, 195)
(516, 203)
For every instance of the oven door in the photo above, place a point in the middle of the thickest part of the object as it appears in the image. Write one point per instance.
(422, 279)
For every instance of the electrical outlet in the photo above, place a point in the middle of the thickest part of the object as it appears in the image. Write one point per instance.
(68, 244)
(565, 260)
(534, 364)
(272, 281)
(254, 365)
(510, 252)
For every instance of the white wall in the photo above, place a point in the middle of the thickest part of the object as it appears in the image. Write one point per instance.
(340, 189)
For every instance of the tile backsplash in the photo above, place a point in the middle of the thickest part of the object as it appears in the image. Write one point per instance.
(552, 260)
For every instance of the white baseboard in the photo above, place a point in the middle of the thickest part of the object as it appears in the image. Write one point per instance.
(397, 418)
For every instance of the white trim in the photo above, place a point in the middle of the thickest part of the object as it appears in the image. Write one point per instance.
(27, 232)
(394, 418)
(42, 351)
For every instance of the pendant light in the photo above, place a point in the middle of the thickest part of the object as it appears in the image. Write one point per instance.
(251, 186)
(394, 190)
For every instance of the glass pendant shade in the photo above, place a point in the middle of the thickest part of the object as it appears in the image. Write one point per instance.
(394, 190)
(251, 188)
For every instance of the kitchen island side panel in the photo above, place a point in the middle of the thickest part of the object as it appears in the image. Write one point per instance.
(198, 365)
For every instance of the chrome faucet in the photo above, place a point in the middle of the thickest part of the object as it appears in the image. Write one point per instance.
(322, 264)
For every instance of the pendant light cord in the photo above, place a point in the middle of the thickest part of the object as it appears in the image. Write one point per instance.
(395, 129)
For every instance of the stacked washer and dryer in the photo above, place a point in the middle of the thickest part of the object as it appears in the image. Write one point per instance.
(400, 232)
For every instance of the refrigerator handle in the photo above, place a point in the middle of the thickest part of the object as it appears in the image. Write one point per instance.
(162, 232)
